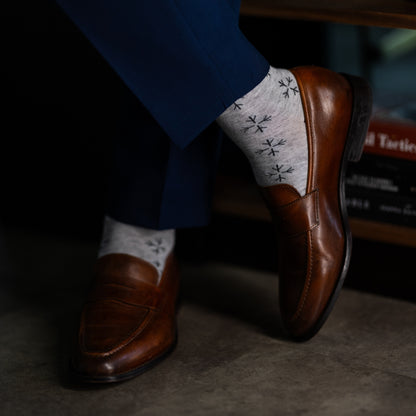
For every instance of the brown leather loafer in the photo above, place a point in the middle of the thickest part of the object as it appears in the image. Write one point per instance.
(128, 321)
(314, 239)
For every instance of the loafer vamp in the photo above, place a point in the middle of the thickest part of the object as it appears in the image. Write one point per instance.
(310, 267)
(311, 246)
(128, 321)
(108, 325)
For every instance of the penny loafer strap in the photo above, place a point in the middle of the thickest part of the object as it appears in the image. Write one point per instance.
(298, 216)
(141, 295)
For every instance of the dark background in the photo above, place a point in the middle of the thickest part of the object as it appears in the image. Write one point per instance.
(59, 118)
(60, 115)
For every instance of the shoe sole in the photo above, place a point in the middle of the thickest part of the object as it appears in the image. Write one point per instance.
(357, 132)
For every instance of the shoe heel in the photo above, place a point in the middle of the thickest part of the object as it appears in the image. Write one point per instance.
(360, 117)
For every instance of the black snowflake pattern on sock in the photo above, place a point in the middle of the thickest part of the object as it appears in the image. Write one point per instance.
(237, 106)
(256, 124)
(270, 147)
(286, 84)
(279, 171)
(156, 245)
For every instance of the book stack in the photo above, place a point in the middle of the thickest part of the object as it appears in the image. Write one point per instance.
(382, 186)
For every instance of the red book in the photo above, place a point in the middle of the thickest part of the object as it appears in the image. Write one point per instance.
(391, 137)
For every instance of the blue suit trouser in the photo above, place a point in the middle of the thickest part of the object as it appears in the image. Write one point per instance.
(185, 62)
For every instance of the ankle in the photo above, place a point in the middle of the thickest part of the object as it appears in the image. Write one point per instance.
(153, 246)
(268, 125)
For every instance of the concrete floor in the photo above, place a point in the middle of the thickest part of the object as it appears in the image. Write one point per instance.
(231, 357)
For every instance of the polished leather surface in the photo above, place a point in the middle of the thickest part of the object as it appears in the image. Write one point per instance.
(128, 321)
(313, 234)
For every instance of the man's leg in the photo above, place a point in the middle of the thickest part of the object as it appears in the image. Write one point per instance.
(299, 129)
(186, 61)
(325, 129)
(156, 187)
(128, 322)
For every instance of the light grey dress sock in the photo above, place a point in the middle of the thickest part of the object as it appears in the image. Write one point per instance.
(268, 125)
(153, 246)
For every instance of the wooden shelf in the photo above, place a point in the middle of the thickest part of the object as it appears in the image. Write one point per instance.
(383, 13)
(383, 232)
(239, 198)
